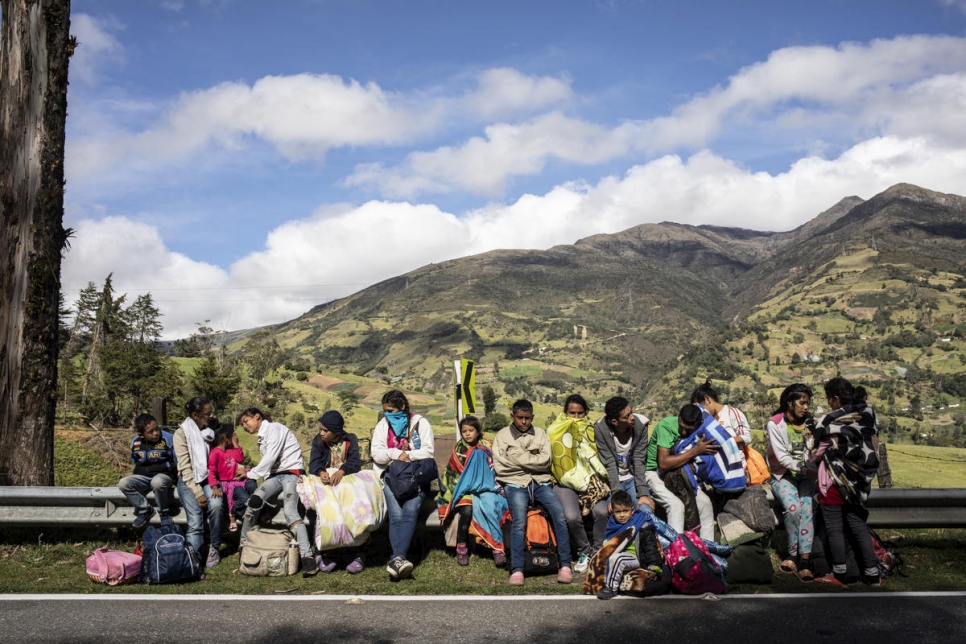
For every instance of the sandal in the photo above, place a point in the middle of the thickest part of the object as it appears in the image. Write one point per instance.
(788, 566)
(806, 575)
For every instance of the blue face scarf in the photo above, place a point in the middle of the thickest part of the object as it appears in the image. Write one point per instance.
(399, 421)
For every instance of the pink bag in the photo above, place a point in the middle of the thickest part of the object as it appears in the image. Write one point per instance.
(694, 570)
(113, 567)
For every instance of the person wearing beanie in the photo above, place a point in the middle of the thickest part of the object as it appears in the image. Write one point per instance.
(335, 453)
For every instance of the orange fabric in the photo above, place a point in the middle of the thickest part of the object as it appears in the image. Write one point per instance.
(538, 529)
(755, 465)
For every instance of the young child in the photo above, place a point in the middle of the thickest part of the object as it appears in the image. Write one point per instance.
(334, 448)
(281, 466)
(521, 460)
(639, 547)
(152, 451)
(226, 471)
(471, 493)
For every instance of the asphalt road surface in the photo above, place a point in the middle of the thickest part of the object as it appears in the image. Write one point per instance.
(878, 618)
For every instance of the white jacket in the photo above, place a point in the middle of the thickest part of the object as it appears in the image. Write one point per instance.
(382, 454)
(280, 451)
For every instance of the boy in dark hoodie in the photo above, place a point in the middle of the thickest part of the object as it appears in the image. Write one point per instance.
(152, 451)
(334, 448)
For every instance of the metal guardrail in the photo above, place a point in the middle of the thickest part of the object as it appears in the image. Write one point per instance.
(107, 506)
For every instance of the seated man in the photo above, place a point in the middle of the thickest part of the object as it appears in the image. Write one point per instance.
(521, 460)
(661, 459)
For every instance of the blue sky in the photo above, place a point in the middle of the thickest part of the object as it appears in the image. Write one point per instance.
(244, 161)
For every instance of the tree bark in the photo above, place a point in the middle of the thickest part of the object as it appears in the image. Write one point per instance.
(35, 46)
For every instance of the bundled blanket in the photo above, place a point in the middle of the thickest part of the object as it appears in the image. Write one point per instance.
(725, 469)
(347, 513)
(469, 480)
(851, 457)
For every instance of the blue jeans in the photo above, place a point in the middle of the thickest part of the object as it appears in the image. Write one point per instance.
(519, 501)
(136, 486)
(241, 495)
(283, 485)
(402, 521)
(196, 517)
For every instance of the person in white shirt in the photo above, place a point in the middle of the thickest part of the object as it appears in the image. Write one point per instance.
(281, 466)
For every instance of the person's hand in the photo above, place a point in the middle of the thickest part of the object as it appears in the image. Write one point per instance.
(644, 500)
(404, 457)
(324, 477)
(336, 477)
(216, 491)
(704, 446)
(241, 473)
(203, 501)
(234, 440)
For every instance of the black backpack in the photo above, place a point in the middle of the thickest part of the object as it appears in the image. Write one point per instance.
(166, 557)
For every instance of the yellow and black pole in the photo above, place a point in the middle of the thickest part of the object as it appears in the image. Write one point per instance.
(465, 390)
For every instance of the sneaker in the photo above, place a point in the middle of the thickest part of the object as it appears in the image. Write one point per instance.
(355, 567)
(323, 565)
(499, 558)
(399, 568)
(829, 580)
(583, 562)
(565, 576)
(870, 580)
(213, 558)
(310, 567)
(462, 554)
(142, 518)
(516, 579)
(606, 593)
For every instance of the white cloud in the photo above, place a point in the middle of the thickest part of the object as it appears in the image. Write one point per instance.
(907, 86)
(302, 116)
(505, 91)
(483, 164)
(339, 249)
(96, 43)
(958, 4)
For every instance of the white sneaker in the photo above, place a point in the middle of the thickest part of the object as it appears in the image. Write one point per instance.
(583, 562)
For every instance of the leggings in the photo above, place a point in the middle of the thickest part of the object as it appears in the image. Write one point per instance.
(465, 513)
(837, 518)
(796, 494)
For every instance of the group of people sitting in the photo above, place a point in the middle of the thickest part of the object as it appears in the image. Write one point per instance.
(616, 473)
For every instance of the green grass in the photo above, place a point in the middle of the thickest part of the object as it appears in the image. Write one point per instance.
(920, 466)
(33, 561)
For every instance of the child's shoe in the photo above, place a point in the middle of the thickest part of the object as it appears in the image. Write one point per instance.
(310, 567)
(462, 554)
(355, 567)
(399, 568)
(142, 518)
(233, 526)
(213, 558)
(499, 558)
(565, 576)
(583, 562)
(323, 565)
(870, 580)
(516, 579)
(606, 593)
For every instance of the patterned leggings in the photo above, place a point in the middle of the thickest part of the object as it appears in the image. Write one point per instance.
(796, 495)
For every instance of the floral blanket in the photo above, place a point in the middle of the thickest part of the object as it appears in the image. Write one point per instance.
(346, 514)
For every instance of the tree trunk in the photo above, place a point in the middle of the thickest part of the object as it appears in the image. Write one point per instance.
(35, 46)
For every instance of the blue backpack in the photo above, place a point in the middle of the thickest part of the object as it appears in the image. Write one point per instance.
(166, 557)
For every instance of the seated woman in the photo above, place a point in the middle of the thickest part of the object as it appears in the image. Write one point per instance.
(584, 494)
(471, 495)
(349, 503)
(401, 436)
(792, 481)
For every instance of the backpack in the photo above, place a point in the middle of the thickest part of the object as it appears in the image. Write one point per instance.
(693, 570)
(539, 544)
(887, 556)
(113, 567)
(167, 558)
(269, 552)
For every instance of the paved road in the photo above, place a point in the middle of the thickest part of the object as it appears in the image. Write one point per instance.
(129, 619)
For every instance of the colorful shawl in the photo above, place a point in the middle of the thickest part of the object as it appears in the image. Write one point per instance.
(469, 479)
(851, 458)
(347, 513)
